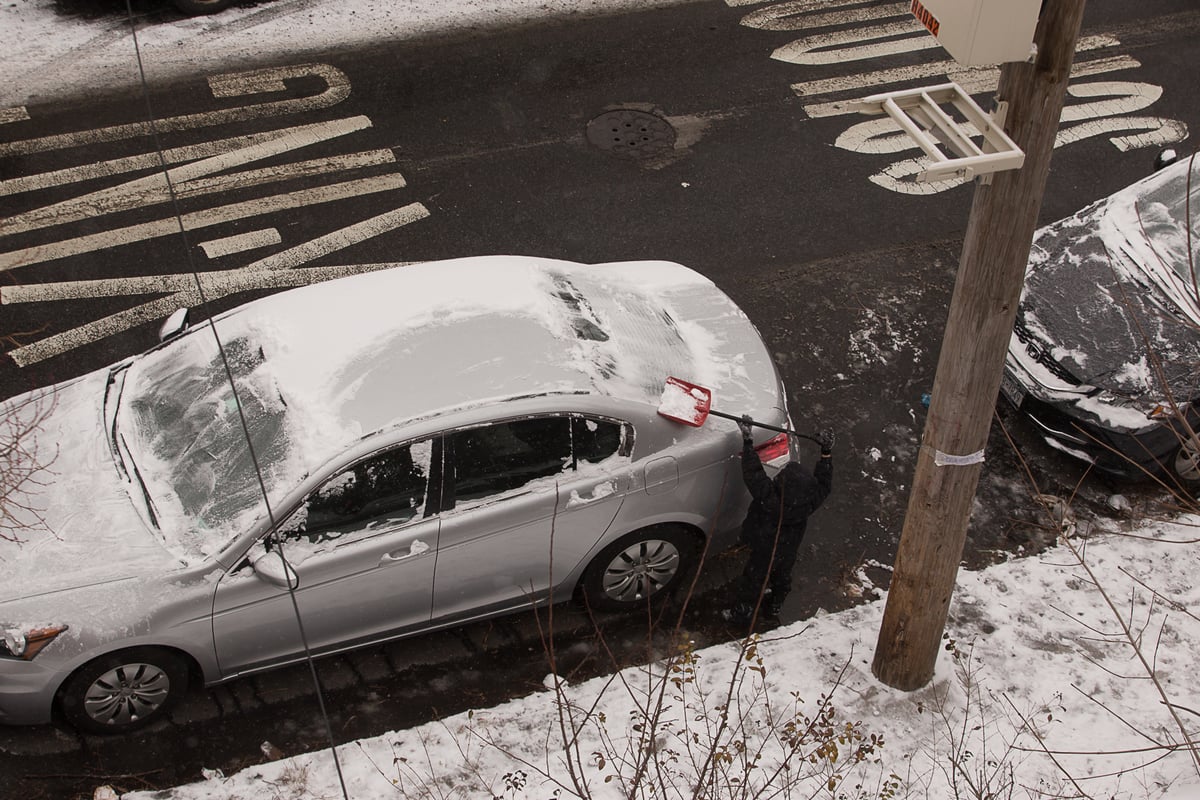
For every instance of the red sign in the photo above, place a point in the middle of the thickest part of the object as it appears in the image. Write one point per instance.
(927, 19)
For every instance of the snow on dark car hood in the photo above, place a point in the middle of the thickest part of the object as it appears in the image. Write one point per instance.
(81, 526)
(1105, 303)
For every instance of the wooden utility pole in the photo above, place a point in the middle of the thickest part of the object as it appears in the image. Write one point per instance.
(982, 311)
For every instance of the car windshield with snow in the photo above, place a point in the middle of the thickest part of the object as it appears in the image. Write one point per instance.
(1105, 354)
(390, 453)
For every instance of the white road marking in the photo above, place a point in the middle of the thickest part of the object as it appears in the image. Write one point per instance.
(901, 36)
(275, 271)
(140, 162)
(840, 46)
(251, 240)
(153, 189)
(241, 83)
(15, 114)
(196, 220)
(1114, 114)
(974, 80)
(299, 169)
(198, 170)
(797, 16)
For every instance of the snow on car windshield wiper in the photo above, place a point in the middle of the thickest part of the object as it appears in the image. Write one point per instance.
(141, 483)
(122, 456)
(112, 402)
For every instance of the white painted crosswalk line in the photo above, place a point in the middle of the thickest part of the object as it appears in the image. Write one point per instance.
(136, 163)
(153, 189)
(275, 271)
(251, 240)
(196, 220)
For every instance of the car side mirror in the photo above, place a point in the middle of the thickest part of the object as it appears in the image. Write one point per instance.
(1165, 158)
(175, 324)
(272, 568)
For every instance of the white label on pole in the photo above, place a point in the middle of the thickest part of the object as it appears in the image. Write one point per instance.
(946, 460)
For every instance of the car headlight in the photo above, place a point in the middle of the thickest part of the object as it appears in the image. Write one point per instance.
(1167, 410)
(25, 643)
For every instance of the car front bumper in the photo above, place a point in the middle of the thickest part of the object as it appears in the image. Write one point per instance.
(1066, 425)
(26, 692)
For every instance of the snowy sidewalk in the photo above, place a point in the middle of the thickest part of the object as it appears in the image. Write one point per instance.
(1034, 665)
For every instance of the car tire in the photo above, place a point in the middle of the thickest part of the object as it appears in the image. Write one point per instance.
(198, 7)
(641, 567)
(1184, 464)
(124, 691)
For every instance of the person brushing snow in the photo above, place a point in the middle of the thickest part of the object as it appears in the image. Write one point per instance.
(775, 524)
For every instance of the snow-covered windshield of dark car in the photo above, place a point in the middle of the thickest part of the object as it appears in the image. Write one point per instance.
(181, 418)
(1162, 215)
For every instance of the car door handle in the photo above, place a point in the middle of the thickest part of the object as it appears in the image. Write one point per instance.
(416, 548)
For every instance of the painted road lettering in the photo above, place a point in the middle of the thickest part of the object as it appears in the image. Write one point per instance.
(196, 171)
(854, 43)
(337, 89)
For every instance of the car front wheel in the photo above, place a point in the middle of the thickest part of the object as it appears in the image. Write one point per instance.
(124, 691)
(1185, 464)
(638, 568)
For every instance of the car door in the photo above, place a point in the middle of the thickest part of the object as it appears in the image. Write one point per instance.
(361, 549)
(526, 500)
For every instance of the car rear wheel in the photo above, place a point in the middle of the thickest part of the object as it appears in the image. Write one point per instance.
(640, 567)
(124, 691)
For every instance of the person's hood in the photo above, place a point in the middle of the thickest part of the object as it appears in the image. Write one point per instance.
(76, 517)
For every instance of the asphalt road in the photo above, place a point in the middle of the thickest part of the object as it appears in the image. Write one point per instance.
(666, 134)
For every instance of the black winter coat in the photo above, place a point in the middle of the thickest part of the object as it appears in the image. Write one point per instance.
(801, 494)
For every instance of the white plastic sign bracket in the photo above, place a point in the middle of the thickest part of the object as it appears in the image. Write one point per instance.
(949, 139)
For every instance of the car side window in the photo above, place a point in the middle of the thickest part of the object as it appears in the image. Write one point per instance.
(594, 440)
(498, 458)
(378, 493)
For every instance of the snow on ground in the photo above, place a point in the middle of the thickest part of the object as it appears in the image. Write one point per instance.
(49, 55)
(1037, 690)
(1037, 693)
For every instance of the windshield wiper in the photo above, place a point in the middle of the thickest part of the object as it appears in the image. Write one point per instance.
(145, 491)
(114, 378)
(114, 391)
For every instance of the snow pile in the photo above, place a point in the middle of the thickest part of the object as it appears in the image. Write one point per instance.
(1038, 691)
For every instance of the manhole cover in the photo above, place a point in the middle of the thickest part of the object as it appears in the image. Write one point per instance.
(635, 134)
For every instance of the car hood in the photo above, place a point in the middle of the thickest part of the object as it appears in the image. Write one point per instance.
(78, 523)
(1099, 307)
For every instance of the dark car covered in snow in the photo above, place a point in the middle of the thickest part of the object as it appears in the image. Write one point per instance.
(1105, 354)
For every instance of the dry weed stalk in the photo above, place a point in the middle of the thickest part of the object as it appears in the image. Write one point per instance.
(24, 469)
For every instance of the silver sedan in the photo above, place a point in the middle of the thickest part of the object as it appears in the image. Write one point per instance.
(372, 457)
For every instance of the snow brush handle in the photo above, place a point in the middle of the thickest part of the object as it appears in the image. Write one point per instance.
(777, 429)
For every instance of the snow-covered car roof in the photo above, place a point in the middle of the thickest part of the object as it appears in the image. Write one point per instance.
(380, 348)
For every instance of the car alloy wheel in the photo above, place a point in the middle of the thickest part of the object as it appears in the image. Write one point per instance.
(124, 691)
(639, 567)
(1186, 463)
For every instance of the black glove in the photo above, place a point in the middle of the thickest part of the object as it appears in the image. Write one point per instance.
(745, 425)
(826, 438)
